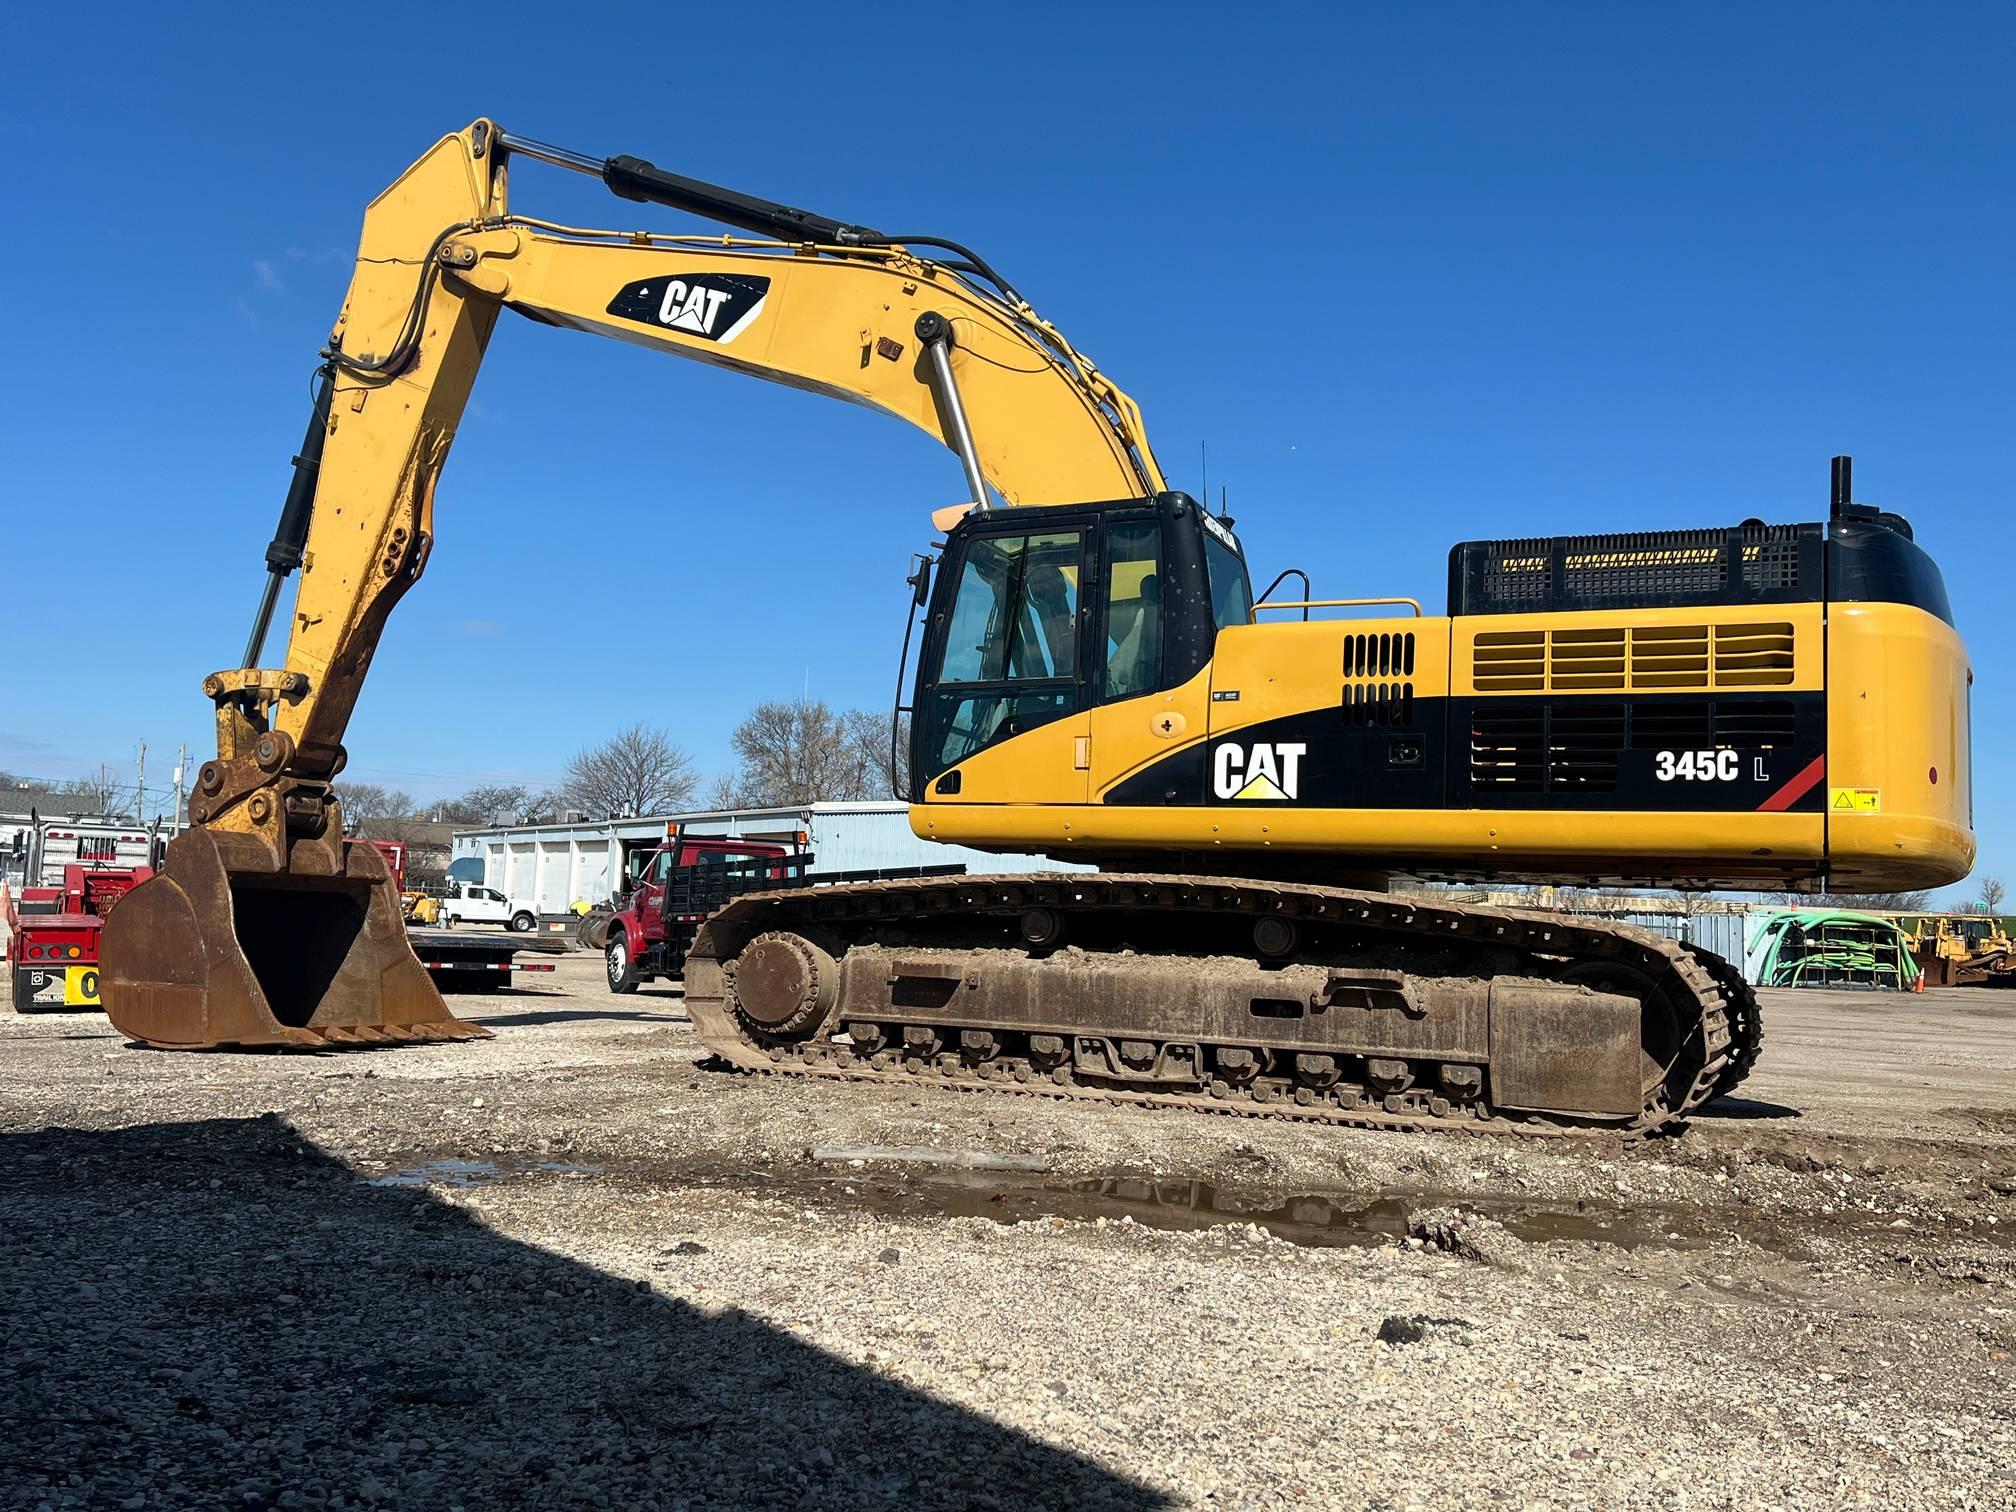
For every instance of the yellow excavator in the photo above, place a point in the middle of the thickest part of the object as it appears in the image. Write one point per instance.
(1752, 706)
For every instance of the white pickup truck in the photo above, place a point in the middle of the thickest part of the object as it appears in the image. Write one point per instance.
(472, 903)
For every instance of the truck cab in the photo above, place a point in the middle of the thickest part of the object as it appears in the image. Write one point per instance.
(667, 890)
(473, 903)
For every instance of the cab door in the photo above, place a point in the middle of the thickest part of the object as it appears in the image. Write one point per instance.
(1003, 712)
(1138, 719)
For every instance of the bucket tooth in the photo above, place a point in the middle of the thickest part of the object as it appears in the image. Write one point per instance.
(207, 954)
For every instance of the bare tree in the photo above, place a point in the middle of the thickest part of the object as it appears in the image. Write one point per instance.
(1897, 902)
(724, 792)
(882, 752)
(636, 771)
(97, 793)
(792, 751)
(376, 812)
(500, 803)
(801, 751)
(1992, 893)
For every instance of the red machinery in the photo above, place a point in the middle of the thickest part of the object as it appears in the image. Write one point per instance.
(394, 852)
(52, 935)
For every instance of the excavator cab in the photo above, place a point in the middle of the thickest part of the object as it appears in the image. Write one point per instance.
(1044, 617)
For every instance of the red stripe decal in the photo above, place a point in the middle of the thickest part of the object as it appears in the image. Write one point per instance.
(1797, 788)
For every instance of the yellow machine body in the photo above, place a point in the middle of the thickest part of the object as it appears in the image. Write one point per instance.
(1883, 802)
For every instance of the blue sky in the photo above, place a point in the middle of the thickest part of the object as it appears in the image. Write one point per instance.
(1416, 275)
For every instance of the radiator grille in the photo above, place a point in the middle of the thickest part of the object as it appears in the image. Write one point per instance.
(1771, 566)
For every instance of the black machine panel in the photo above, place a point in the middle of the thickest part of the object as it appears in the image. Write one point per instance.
(1660, 569)
(1648, 752)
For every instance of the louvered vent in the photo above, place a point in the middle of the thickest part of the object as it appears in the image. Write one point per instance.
(1753, 656)
(1647, 658)
(1669, 656)
(1568, 747)
(1563, 748)
(1754, 726)
(1389, 654)
(1369, 706)
(1508, 749)
(1686, 724)
(1505, 661)
(1586, 658)
(1584, 740)
(1672, 724)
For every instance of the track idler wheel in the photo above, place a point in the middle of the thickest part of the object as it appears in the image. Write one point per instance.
(784, 984)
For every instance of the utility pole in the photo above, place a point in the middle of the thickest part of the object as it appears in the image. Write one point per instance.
(181, 762)
(140, 787)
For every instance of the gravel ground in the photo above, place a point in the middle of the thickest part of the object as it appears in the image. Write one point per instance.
(573, 1266)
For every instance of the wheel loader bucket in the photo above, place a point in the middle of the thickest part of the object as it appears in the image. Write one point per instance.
(205, 955)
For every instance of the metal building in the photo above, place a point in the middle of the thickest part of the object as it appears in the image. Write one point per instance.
(553, 866)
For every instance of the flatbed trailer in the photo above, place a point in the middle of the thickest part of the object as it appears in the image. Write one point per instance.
(479, 960)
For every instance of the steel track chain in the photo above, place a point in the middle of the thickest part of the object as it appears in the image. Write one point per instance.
(1746, 1020)
(1724, 1034)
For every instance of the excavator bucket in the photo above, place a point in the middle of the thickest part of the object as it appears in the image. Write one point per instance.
(207, 955)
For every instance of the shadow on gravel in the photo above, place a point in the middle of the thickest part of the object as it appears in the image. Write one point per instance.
(1745, 1107)
(220, 1313)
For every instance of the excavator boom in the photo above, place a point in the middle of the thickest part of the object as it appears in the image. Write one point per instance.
(264, 927)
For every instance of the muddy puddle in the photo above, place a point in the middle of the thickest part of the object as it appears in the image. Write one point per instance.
(448, 1171)
(1333, 1220)
(1323, 1219)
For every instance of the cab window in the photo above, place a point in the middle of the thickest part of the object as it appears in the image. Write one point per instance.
(1011, 641)
(1231, 589)
(1016, 612)
(1133, 608)
(725, 857)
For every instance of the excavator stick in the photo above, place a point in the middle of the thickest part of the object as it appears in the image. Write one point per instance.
(209, 953)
